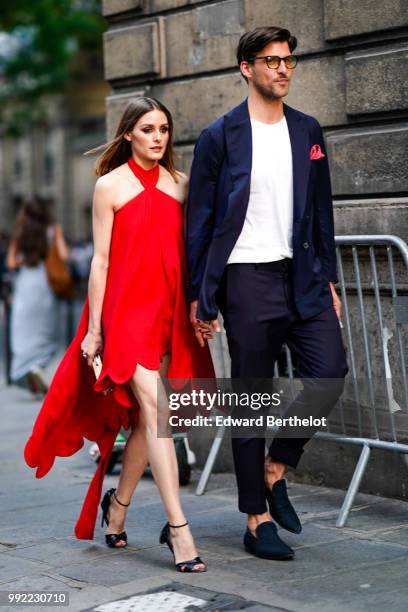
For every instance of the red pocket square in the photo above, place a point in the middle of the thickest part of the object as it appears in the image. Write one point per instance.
(316, 152)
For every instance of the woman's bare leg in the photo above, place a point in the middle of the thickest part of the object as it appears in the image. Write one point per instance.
(163, 461)
(133, 465)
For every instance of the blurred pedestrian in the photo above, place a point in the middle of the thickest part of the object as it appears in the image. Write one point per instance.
(34, 313)
(3, 255)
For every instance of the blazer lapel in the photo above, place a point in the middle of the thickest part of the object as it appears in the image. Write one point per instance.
(300, 159)
(238, 136)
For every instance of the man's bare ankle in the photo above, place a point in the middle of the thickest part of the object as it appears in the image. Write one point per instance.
(274, 471)
(256, 519)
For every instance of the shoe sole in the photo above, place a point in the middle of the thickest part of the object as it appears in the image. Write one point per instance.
(287, 557)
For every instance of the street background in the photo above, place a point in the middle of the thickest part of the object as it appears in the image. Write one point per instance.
(67, 70)
(362, 567)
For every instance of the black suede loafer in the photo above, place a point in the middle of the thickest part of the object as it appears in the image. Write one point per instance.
(267, 544)
(280, 508)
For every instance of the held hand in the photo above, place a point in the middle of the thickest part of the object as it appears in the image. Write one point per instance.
(194, 323)
(193, 312)
(203, 329)
(336, 301)
(206, 328)
(91, 345)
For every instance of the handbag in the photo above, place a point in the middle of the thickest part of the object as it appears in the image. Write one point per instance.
(59, 276)
(97, 366)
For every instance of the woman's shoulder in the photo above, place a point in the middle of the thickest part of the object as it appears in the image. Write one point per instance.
(182, 177)
(175, 184)
(107, 184)
(178, 177)
(111, 178)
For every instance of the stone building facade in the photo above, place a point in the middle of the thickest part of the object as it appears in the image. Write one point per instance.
(352, 76)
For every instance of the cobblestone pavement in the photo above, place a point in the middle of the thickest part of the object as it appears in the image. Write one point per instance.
(361, 567)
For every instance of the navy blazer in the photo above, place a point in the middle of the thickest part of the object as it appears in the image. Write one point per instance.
(218, 200)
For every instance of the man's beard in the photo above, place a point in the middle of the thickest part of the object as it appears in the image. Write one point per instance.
(267, 93)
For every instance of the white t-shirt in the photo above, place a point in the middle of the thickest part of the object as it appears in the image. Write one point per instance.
(267, 231)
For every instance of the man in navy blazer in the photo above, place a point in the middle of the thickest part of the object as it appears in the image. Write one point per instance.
(260, 249)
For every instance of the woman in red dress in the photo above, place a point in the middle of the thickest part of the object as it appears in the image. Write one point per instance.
(136, 317)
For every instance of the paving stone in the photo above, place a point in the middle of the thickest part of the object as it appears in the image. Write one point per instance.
(355, 589)
(61, 551)
(45, 582)
(398, 535)
(323, 561)
(327, 503)
(12, 567)
(375, 517)
(313, 535)
(121, 566)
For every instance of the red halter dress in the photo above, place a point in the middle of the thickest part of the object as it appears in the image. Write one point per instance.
(144, 316)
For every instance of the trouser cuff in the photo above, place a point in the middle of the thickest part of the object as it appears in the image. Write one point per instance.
(251, 508)
(288, 451)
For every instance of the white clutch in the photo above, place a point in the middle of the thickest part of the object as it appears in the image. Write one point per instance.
(97, 365)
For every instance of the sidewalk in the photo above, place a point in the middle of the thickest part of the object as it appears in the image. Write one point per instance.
(361, 567)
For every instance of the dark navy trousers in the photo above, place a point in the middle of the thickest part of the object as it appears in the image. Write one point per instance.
(256, 301)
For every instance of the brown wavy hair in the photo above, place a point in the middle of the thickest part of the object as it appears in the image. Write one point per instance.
(118, 150)
(30, 230)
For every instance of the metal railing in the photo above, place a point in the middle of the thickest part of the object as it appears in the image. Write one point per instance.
(373, 410)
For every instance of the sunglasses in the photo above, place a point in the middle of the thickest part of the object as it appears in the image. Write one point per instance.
(273, 61)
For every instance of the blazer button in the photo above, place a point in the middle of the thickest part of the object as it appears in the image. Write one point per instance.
(305, 245)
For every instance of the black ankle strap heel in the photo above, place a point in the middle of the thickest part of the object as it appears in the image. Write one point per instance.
(182, 566)
(119, 502)
(112, 538)
(177, 526)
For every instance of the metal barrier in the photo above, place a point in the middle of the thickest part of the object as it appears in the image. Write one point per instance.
(373, 410)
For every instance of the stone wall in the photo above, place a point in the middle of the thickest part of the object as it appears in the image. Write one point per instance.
(352, 75)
